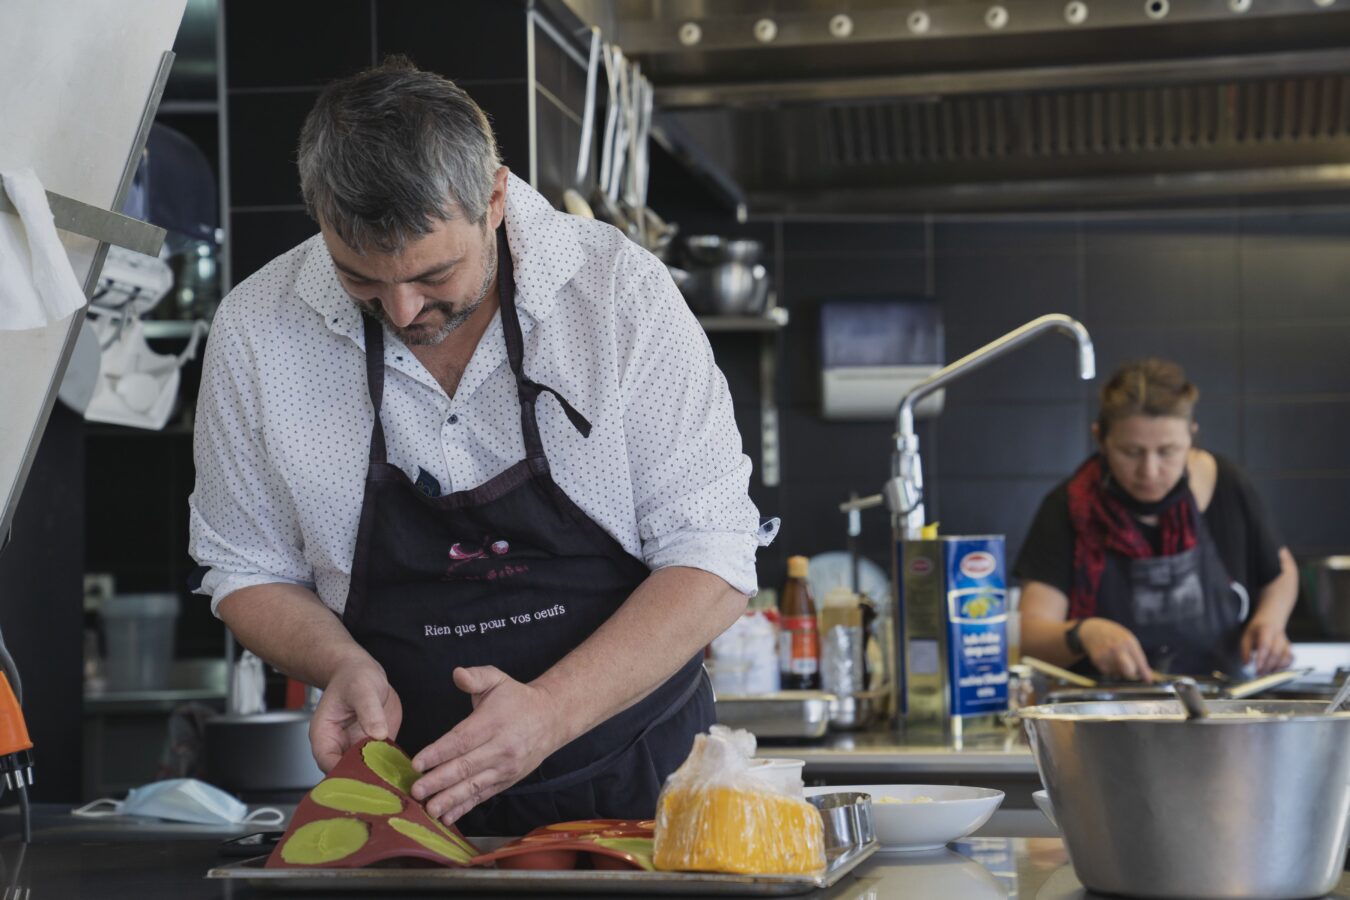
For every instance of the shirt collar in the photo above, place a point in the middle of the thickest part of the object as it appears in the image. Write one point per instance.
(545, 249)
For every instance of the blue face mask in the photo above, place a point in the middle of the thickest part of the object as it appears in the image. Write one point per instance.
(182, 800)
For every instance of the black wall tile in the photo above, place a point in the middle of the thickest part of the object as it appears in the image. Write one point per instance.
(813, 278)
(1221, 426)
(983, 297)
(1125, 282)
(507, 108)
(259, 237)
(1038, 235)
(1295, 277)
(852, 238)
(1331, 223)
(264, 131)
(1281, 358)
(1210, 354)
(466, 40)
(1003, 506)
(853, 456)
(41, 613)
(813, 524)
(1292, 436)
(1145, 234)
(1311, 514)
(298, 43)
(737, 355)
(1013, 439)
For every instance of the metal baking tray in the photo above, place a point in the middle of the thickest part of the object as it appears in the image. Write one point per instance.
(575, 881)
(786, 714)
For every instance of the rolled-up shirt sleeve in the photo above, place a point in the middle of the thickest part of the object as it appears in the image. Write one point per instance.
(243, 527)
(690, 477)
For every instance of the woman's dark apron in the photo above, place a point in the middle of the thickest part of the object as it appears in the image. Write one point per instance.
(1185, 610)
(511, 574)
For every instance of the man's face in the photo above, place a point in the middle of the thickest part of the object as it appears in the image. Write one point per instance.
(435, 284)
(429, 289)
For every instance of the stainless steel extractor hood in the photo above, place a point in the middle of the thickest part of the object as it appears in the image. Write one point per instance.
(868, 106)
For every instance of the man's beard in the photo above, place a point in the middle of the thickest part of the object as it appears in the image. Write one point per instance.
(425, 336)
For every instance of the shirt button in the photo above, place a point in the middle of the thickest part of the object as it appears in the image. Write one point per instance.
(453, 420)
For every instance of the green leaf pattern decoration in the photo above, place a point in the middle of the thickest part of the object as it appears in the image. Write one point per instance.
(325, 841)
(350, 795)
(388, 762)
(431, 840)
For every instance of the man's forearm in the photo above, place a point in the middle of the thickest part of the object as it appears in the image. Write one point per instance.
(290, 628)
(1276, 600)
(671, 616)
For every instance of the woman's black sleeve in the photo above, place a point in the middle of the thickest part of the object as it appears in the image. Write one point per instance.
(1047, 551)
(1263, 547)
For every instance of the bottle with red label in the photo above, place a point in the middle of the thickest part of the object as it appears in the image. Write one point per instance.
(799, 642)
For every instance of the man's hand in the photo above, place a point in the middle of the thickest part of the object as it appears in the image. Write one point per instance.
(1265, 644)
(357, 703)
(1114, 650)
(512, 729)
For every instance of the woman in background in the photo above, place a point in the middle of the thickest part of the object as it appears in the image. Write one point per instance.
(1155, 555)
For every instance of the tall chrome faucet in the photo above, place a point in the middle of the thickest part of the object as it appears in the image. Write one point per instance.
(904, 492)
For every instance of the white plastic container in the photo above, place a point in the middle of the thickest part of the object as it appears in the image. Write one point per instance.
(140, 633)
(783, 774)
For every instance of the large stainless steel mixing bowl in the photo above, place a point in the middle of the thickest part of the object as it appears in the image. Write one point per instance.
(1232, 806)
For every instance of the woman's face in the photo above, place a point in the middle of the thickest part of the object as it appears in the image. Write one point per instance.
(1147, 454)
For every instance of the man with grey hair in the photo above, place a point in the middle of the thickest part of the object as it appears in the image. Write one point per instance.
(516, 587)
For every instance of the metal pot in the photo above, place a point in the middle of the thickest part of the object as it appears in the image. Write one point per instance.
(261, 752)
(1331, 597)
(713, 249)
(1154, 805)
(729, 289)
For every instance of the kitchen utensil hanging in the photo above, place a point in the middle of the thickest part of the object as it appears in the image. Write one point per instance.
(574, 198)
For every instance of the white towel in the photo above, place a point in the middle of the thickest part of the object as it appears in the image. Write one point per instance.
(37, 285)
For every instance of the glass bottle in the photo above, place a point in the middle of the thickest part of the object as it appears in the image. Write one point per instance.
(799, 642)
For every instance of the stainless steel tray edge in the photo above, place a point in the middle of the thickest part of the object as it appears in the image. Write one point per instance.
(590, 881)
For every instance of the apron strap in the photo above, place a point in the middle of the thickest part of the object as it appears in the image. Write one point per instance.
(375, 382)
(527, 389)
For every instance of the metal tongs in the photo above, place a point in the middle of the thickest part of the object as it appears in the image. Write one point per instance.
(1339, 700)
(1228, 692)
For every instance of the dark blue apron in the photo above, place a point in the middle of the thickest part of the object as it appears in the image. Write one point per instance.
(515, 575)
(1186, 612)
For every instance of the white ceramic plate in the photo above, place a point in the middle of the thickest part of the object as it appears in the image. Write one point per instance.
(950, 813)
(1042, 800)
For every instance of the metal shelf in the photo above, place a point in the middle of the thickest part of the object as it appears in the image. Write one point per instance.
(168, 328)
(100, 224)
(773, 319)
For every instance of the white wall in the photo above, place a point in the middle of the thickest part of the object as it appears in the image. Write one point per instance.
(74, 78)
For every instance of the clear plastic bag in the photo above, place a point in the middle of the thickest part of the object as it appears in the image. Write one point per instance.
(715, 815)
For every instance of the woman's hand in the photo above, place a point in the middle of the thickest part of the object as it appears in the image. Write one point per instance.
(1265, 645)
(1114, 650)
(357, 703)
(512, 729)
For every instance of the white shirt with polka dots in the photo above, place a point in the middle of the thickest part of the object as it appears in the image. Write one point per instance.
(284, 419)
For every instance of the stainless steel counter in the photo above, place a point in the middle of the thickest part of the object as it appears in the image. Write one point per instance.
(982, 868)
(1002, 753)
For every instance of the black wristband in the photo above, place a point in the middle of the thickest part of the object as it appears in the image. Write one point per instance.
(1074, 642)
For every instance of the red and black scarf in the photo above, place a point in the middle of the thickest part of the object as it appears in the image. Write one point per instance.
(1102, 521)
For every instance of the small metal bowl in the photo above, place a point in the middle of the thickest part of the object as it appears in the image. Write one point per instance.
(713, 249)
(848, 820)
